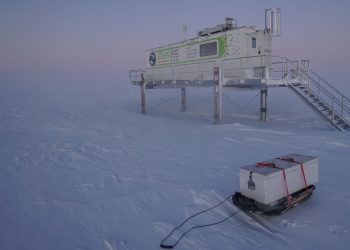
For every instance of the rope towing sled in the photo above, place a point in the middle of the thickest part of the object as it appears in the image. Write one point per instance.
(270, 188)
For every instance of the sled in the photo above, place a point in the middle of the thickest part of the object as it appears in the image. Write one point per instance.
(276, 208)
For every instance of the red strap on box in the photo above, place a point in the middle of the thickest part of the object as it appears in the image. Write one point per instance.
(273, 165)
(302, 170)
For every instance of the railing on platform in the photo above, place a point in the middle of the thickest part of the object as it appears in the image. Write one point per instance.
(135, 76)
(292, 71)
(251, 68)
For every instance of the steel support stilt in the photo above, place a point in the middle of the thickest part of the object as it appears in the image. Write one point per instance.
(143, 96)
(217, 96)
(183, 100)
(263, 105)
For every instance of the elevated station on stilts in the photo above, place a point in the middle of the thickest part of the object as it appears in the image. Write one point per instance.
(228, 56)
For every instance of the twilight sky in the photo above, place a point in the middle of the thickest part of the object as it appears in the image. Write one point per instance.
(106, 36)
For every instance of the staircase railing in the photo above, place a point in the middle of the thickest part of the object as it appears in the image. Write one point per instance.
(299, 72)
(340, 99)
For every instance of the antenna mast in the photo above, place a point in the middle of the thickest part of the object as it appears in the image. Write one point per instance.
(184, 29)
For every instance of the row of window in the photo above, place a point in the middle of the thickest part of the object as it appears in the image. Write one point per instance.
(210, 49)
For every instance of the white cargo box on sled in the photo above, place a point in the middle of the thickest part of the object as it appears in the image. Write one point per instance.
(266, 184)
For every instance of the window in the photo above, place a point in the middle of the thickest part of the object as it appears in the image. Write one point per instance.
(208, 49)
(253, 42)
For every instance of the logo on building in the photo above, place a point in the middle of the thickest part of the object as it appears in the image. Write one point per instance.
(152, 58)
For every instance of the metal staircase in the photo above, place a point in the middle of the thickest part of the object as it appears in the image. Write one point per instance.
(317, 93)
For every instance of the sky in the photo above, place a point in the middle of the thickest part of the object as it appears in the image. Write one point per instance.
(106, 36)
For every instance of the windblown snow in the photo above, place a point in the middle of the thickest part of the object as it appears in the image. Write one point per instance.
(82, 168)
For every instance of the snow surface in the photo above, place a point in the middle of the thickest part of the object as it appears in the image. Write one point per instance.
(82, 168)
